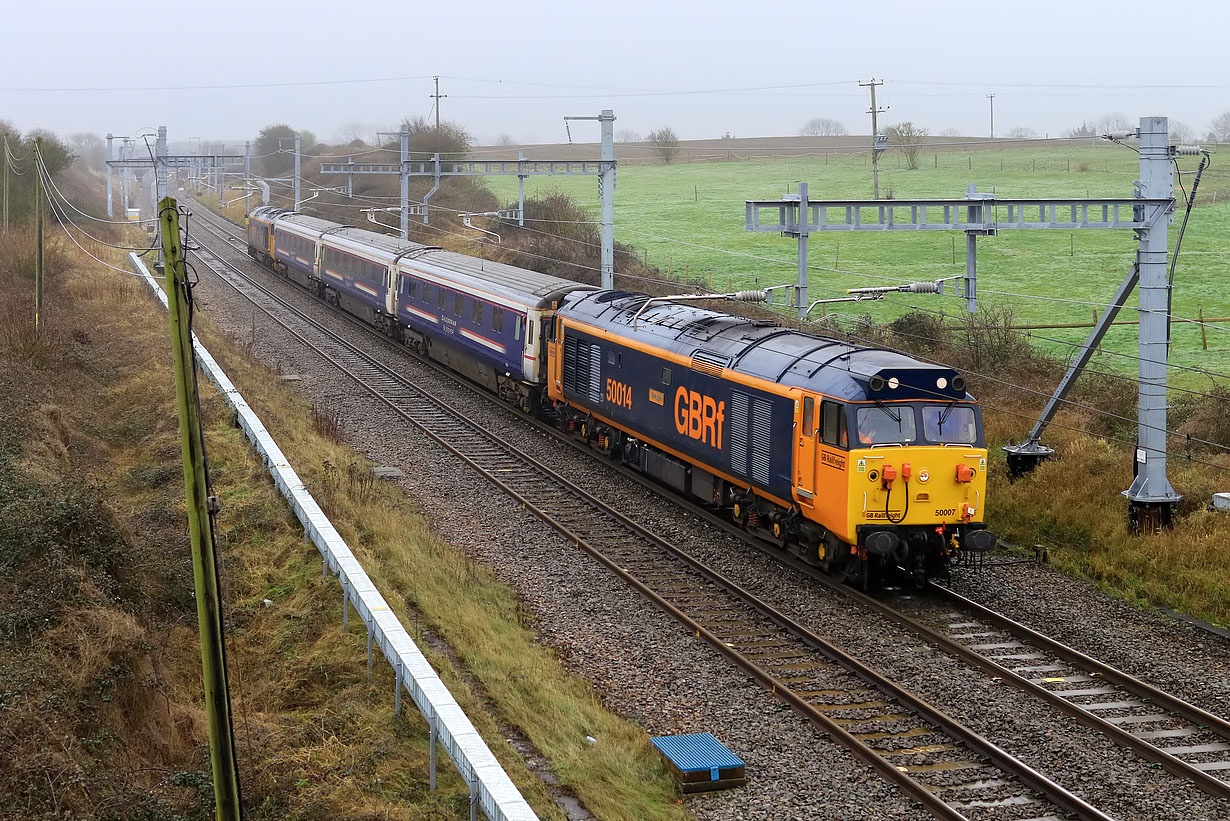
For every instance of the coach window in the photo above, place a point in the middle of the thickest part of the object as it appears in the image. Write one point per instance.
(440, 293)
(478, 313)
(809, 416)
(457, 300)
(497, 319)
(833, 425)
(426, 297)
(517, 327)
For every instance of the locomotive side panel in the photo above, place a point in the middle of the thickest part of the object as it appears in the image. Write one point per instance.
(711, 421)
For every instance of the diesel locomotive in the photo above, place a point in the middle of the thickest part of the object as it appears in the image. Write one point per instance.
(861, 460)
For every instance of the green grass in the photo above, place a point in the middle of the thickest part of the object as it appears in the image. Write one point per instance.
(690, 217)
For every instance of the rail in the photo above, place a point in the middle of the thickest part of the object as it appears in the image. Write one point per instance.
(490, 786)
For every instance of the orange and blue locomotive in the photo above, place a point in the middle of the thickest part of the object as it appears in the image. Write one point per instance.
(857, 459)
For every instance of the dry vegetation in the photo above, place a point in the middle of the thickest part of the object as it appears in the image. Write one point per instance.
(99, 661)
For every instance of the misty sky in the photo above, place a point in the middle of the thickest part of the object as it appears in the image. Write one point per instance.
(517, 68)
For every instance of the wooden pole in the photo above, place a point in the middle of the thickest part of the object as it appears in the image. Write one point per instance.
(6, 183)
(38, 219)
(1204, 336)
(200, 524)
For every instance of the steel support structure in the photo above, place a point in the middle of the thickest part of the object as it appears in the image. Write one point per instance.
(110, 156)
(247, 177)
(405, 179)
(298, 201)
(521, 168)
(1151, 497)
(1024, 457)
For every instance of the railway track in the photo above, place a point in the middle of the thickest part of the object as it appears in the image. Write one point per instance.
(949, 769)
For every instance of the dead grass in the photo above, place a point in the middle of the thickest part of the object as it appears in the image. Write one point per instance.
(99, 687)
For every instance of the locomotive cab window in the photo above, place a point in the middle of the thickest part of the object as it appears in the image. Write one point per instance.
(666, 376)
(886, 424)
(833, 425)
(517, 328)
(949, 424)
(809, 416)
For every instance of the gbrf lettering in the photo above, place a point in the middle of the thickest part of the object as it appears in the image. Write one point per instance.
(699, 416)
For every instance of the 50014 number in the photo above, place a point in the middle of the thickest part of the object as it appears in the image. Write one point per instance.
(618, 393)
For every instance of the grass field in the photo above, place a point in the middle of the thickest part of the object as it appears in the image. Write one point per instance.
(690, 218)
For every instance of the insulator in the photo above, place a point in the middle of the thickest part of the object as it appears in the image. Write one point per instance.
(922, 288)
(1187, 150)
(750, 296)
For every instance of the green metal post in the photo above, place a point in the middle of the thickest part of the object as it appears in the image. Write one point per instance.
(38, 219)
(204, 561)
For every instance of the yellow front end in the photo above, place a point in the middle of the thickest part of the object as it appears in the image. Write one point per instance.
(927, 485)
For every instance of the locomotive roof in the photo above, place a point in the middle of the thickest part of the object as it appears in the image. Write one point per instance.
(765, 349)
(520, 284)
(536, 288)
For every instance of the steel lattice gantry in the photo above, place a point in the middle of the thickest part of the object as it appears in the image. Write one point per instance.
(1148, 213)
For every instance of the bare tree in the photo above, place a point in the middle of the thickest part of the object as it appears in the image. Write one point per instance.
(627, 135)
(1181, 133)
(451, 140)
(950, 132)
(89, 148)
(1220, 129)
(505, 139)
(907, 138)
(1115, 121)
(823, 127)
(1022, 132)
(351, 133)
(665, 141)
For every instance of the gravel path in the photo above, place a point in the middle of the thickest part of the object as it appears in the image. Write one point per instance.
(645, 667)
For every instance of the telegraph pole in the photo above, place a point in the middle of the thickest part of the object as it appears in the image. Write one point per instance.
(200, 525)
(38, 219)
(6, 183)
(437, 97)
(875, 156)
(991, 97)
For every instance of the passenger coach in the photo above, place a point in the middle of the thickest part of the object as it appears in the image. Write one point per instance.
(487, 320)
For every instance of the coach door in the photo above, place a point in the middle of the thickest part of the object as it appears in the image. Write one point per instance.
(805, 450)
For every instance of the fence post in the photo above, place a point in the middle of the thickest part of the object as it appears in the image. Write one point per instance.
(435, 735)
(397, 687)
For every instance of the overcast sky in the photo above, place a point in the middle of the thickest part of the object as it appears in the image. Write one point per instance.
(751, 69)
